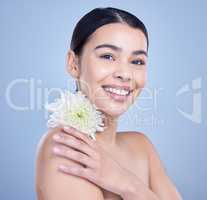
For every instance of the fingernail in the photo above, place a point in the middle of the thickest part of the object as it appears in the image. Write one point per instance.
(67, 128)
(63, 167)
(56, 149)
(56, 137)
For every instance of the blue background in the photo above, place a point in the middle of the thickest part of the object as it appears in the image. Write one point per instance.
(34, 38)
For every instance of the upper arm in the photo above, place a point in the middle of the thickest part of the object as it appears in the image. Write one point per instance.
(160, 182)
(52, 184)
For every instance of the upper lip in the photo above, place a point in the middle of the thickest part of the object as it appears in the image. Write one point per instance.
(123, 87)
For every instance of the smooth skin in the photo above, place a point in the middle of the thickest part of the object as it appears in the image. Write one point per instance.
(118, 165)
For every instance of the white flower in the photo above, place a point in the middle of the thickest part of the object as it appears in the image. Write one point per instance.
(77, 111)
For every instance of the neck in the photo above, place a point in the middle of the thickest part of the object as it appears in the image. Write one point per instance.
(108, 136)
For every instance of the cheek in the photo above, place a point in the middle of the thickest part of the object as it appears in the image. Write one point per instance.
(97, 70)
(92, 76)
(140, 78)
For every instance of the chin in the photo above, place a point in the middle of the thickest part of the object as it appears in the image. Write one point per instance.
(112, 108)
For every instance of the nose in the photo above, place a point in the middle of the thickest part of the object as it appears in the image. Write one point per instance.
(123, 75)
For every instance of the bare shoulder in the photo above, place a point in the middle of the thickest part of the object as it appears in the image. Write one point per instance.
(159, 181)
(52, 184)
(134, 140)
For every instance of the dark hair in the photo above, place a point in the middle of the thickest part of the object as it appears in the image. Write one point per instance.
(99, 17)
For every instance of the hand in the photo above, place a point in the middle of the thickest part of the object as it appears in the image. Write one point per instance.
(92, 161)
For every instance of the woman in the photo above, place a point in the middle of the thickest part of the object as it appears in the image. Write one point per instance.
(108, 59)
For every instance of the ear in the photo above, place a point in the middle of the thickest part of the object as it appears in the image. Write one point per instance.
(72, 64)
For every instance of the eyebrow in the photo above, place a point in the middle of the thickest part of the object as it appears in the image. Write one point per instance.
(115, 48)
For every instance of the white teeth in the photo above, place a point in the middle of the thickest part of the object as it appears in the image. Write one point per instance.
(117, 91)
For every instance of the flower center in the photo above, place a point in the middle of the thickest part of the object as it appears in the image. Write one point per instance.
(80, 114)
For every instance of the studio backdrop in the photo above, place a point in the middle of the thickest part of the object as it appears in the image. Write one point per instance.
(171, 110)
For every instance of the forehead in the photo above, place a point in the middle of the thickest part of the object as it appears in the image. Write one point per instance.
(119, 34)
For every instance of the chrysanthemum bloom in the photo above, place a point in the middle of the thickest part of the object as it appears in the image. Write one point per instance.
(77, 111)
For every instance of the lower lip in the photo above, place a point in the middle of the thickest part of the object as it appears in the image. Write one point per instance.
(116, 97)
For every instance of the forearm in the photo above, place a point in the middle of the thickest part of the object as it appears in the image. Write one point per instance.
(136, 190)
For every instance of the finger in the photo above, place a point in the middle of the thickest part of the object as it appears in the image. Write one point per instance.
(79, 135)
(70, 153)
(77, 170)
(73, 142)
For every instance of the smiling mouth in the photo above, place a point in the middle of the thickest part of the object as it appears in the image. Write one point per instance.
(119, 95)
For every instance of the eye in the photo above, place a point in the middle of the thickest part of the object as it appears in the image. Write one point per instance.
(138, 62)
(107, 56)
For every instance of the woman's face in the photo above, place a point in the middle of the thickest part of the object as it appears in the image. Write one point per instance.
(113, 62)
